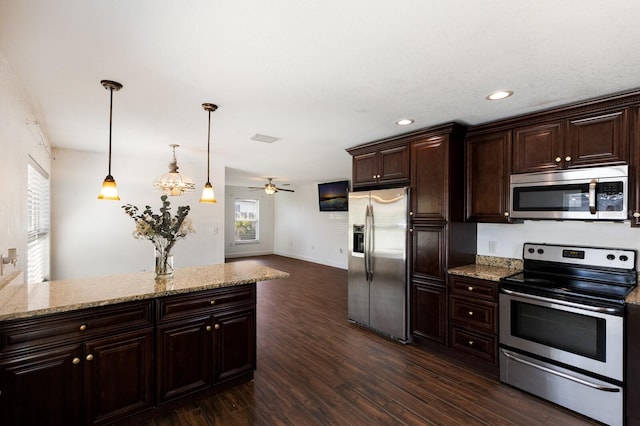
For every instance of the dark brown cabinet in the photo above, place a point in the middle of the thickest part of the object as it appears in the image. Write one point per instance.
(473, 317)
(488, 167)
(538, 147)
(380, 165)
(634, 172)
(439, 238)
(204, 339)
(92, 366)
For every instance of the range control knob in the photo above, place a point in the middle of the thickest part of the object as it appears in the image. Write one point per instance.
(531, 250)
(624, 257)
(610, 257)
(540, 251)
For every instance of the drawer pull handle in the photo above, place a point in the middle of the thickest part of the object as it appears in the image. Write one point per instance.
(89, 357)
(217, 326)
(470, 342)
(208, 328)
(470, 313)
(558, 159)
(470, 288)
(567, 158)
(213, 302)
(83, 327)
(75, 361)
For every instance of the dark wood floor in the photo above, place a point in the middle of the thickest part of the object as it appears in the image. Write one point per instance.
(315, 368)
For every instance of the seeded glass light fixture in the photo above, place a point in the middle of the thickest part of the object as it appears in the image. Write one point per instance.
(109, 190)
(172, 182)
(207, 192)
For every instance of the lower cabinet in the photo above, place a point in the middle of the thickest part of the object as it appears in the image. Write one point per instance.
(110, 364)
(473, 320)
(632, 369)
(429, 312)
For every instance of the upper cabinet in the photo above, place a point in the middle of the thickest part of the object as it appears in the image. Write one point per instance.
(487, 170)
(380, 164)
(634, 174)
(581, 141)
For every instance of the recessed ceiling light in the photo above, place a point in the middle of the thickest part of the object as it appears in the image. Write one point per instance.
(404, 122)
(499, 94)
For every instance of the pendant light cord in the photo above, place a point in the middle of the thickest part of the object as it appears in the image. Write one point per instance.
(110, 125)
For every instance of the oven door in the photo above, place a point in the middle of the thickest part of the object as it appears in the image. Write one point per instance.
(585, 337)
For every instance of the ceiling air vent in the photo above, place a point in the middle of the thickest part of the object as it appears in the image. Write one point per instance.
(264, 138)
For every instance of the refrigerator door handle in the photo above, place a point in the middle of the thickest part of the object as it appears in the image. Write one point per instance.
(371, 241)
(366, 244)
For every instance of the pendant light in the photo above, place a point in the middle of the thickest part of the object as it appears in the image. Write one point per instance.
(172, 182)
(109, 190)
(208, 195)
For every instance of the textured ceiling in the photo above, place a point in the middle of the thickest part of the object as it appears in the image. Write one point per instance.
(320, 75)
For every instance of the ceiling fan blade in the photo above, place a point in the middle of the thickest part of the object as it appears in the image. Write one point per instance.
(288, 190)
(256, 187)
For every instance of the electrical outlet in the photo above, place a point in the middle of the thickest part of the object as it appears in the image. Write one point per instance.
(492, 246)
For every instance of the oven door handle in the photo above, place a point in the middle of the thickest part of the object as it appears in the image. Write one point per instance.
(560, 374)
(599, 309)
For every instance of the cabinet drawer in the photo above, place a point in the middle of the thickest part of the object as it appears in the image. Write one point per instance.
(206, 301)
(479, 345)
(74, 325)
(479, 289)
(478, 315)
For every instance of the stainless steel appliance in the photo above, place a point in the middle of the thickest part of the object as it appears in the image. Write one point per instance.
(562, 327)
(377, 261)
(596, 193)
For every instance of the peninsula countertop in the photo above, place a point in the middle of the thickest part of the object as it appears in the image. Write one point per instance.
(19, 300)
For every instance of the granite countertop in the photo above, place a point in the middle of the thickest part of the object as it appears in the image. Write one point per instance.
(19, 300)
(634, 297)
(489, 268)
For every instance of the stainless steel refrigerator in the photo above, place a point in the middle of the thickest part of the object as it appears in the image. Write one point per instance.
(377, 274)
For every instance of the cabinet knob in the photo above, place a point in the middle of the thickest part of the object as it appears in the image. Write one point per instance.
(378, 176)
(83, 327)
(217, 326)
(567, 158)
(470, 342)
(470, 313)
(470, 288)
(89, 357)
(558, 159)
(636, 214)
(75, 361)
(410, 213)
(213, 302)
(410, 229)
(208, 328)
(506, 214)
(374, 176)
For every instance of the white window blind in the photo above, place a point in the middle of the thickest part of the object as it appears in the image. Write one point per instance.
(38, 221)
(247, 220)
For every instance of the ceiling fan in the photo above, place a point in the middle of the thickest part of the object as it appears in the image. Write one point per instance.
(270, 188)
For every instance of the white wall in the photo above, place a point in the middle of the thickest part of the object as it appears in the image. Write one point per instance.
(93, 237)
(18, 140)
(266, 222)
(510, 237)
(303, 232)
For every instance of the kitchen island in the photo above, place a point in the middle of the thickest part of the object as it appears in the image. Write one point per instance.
(114, 349)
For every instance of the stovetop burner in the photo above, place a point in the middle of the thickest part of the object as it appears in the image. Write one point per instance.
(588, 275)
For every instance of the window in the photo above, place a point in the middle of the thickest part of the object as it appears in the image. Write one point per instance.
(37, 223)
(247, 223)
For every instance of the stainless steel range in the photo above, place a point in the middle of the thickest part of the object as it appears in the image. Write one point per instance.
(562, 327)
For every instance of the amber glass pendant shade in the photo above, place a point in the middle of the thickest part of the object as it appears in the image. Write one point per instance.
(109, 190)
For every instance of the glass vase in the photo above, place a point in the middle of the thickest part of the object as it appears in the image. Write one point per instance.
(164, 260)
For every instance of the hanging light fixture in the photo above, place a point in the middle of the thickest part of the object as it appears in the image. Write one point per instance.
(109, 190)
(172, 182)
(208, 195)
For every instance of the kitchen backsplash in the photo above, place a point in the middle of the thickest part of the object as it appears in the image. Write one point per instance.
(502, 262)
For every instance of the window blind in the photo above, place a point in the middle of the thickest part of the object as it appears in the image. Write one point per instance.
(38, 223)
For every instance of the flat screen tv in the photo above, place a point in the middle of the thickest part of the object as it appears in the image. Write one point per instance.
(334, 196)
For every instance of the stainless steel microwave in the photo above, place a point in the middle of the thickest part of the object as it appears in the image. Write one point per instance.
(596, 193)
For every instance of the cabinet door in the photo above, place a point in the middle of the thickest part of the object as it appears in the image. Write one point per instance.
(365, 169)
(429, 312)
(44, 388)
(393, 164)
(487, 168)
(184, 357)
(632, 375)
(538, 148)
(600, 139)
(118, 376)
(235, 343)
(429, 178)
(428, 252)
